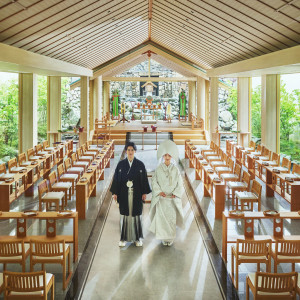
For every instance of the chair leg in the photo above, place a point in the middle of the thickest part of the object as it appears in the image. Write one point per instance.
(275, 266)
(293, 267)
(258, 267)
(247, 290)
(52, 289)
(237, 275)
(64, 274)
(232, 267)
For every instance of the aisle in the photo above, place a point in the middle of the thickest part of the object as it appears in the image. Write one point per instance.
(182, 271)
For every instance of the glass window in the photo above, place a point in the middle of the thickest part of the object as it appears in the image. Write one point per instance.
(9, 101)
(42, 108)
(290, 116)
(256, 109)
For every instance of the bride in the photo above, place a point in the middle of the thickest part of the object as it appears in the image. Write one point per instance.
(167, 188)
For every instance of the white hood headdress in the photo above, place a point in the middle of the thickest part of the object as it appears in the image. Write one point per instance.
(168, 147)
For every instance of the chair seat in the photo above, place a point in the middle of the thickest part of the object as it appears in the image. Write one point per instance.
(236, 184)
(210, 153)
(42, 153)
(69, 176)
(25, 163)
(48, 278)
(50, 148)
(17, 169)
(228, 176)
(18, 257)
(249, 149)
(282, 169)
(89, 153)
(37, 257)
(251, 257)
(264, 158)
(53, 195)
(76, 169)
(271, 162)
(218, 169)
(213, 157)
(246, 196)
(256, 153)
(215, 163)
(252, 279)
(34, 157)
(64, 185)
(81, 163)
(288, 257)
(86, 157)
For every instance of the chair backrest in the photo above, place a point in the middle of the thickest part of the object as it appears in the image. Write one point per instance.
(266, 152)
(256, 188)
(237, 170)
(83, 148)
(12, 163)
(43, 188)
(24, 283)
(45, 144)
(60, 170)
(258, 148)
(286, 163)
(38, 148)
(230, 164)
(2, 168)
(220, 152)
(246, 178)
(252, 144)
(30, 152)
(11, 248)
(253, 247)
(52, 179)
(296, 169)
(47, 248)
(276, 157)
(287, 247)
(74, 157)
(78, 152)
(21, 158)
(276, 283)
(67, 163)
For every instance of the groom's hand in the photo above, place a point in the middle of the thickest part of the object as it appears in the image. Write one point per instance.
(162, 194)
(144, 197)
(115, 197)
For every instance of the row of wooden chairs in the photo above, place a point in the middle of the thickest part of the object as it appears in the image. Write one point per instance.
(260, 251)
(40, 252)
(237, 186)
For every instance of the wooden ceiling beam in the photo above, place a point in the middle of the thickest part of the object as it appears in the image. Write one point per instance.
(150, 4)
(154, 79)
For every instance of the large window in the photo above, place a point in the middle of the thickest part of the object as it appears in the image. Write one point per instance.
(9, 139)
(42, 108)
(256, 109)
(290, 116)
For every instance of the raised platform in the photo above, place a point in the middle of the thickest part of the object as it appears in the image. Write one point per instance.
(180, 133)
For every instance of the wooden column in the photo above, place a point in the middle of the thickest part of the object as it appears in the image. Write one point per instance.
(200, 97)
(27, 111)
(192, 97)
(53, 107)
(207, 111)
(98, 97)
(243, 114)
(270, 109)
(84, 109)
(92, 105)
(106, 91)
(214, 108)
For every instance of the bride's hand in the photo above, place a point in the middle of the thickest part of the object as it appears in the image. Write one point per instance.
(162, 194)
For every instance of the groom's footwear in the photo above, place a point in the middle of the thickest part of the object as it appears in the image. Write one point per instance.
(122, 243)
(138, 243)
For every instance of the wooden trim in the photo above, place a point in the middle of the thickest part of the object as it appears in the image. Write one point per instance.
(159, 79)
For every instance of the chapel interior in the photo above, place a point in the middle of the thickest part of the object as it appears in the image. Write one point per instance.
(81, 78)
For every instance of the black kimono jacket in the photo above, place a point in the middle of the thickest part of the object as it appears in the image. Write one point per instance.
(138, 175)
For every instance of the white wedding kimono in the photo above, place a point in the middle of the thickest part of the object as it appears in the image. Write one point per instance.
(166, 212)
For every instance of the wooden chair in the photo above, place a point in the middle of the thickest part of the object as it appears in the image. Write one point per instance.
(31, 285)
(272, 286)
(56, 186)
(39, 150)
(82, 157)
(87, 152)
(235, 176)
(53, 252)
(226, 169)
(213, 158)
(46, 146)
(221, 163)
(250, 251)
(80, 164)
(2, 168)
(296, 169)
(22, 160)
(238, 186)
(251, 147)
(72, 170)
(286, 251)
(73, 178)
(249, 198)
(31, 155)
(49, 197)
(13, 252)
(259, 149)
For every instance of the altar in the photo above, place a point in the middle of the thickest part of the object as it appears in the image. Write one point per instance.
(149, 110)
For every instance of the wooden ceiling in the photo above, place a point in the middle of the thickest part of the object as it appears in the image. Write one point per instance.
(208, 33)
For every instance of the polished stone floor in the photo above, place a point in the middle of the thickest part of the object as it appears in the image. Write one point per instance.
(182, 271)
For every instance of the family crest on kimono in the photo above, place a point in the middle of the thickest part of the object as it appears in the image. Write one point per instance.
(130, 187)
(167, 188)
